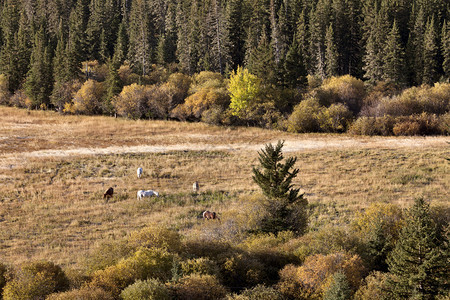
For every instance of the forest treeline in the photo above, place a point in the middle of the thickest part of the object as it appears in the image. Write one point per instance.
(368, 66)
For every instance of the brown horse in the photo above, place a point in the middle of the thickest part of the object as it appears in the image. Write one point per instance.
(108, 194)
(210, 215)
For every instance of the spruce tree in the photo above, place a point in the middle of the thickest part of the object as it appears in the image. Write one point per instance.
(235, 28)
(331, 54)
(294, 69)
(418, 263)
(285, 206)
(39, 81)
(445, 45)
(430, 54)
(393, 58)
(339, 289)
(262, 61)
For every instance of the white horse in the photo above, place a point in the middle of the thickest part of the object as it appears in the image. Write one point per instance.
(142, 194)
(139, 172)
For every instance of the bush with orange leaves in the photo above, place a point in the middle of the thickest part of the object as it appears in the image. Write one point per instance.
(310, 280)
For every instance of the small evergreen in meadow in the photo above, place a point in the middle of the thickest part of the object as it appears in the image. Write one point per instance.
(285, 205)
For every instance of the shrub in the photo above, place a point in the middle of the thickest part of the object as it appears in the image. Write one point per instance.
(374, 287)
(313, 277)
(150, 289)
(20, 99)
(208, 90)
(344, 89)
(131, 102)
(63, 94)
(423, 124)
(4, 90)
(201, 287)
(158, 101)
(3, 272)
(87, 99)
(178, 85)
(144, 264)
(256, 293)
(201, 266)
(243, 270)
(35, 280)
(373, 126)
(304, 116)
(338, 288)
(107, 254)
(335, 118)
(84, 293)
(444, 123)
(157, 237)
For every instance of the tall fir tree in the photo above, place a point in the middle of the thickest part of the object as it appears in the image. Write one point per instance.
(430, 53)
(445, 48)
(331, 53)
(376, 39)
(418, 263)
(235, 27)
(10, 51)
(262, 62)
(142, 38)
(39, 82)
(393, 57)
(294, 69)
(415, 48)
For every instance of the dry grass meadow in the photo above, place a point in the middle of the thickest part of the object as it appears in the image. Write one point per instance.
(54, 170)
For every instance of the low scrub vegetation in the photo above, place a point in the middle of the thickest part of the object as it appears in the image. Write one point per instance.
(334, 105)
(354, 208)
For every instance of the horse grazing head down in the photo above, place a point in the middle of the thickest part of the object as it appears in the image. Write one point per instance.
(210, 215)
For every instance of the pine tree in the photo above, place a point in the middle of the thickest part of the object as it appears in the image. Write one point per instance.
(235, 28)
(418, 263)
(430, 54)
(39, 81)
(445, 44)
(339, 288)
(114, 86)
(10, 51)
(294, 69)
(262, 62)
(120, 49)
(331, 54)
(393, 58)
(285, 205)
(415, 49)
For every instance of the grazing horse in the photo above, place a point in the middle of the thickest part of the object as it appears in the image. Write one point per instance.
(195, 187)
(108, 194)
(210, 215)
(142, 194)
(139, 172)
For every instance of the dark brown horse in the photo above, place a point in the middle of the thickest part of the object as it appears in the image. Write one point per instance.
(210, 215)
(108, 194)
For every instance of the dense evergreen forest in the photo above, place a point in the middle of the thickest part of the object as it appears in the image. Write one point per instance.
(368, 66)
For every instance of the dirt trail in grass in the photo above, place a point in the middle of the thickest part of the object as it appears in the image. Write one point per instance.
(302, 143)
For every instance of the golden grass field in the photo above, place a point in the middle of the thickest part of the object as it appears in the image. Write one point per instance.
(54, 170)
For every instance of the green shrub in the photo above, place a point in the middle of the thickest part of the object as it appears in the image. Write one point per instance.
(150, 289)
(84, 293)
(35, 280)
(145, 263)
(444, 123)
(4, 90)
(335, 118)
(3, 274)
(156, 237)
(374, 287)
(200, 287)
(258, 292)
(304, 116)
(107, 254)
(373, 126)
(201, 266)
(344, 89)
